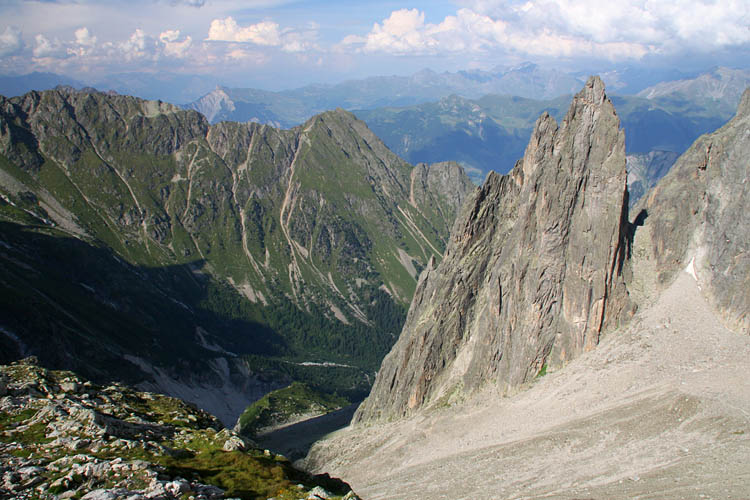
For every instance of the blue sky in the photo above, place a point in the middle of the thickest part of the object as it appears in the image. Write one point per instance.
(278, 44)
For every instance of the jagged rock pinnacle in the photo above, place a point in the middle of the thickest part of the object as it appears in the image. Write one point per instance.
(531, 276)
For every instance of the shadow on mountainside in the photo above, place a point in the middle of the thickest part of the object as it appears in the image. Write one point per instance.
(295, 440)
(78, 306)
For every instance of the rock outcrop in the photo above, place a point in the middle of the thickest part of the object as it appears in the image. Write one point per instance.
(697, 218)
(532, 275)
(62, 436)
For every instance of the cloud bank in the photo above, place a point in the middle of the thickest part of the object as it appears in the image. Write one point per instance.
(623, 30)
(264, 33)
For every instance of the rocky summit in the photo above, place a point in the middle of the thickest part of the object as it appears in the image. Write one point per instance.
(62, 436)
(532, 276)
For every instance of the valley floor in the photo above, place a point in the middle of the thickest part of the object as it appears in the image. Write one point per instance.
(660, 410)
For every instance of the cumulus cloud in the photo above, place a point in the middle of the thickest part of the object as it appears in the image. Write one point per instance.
(622, 30)
(136, 47)
(172, 46)
(46, 48)
(11, 42)
(265, 33)
(227, 30)
(83, 44)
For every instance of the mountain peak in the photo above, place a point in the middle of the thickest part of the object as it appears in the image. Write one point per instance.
(593, 91)
(531, 276)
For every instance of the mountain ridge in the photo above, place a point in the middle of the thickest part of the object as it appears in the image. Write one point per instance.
(262, 240)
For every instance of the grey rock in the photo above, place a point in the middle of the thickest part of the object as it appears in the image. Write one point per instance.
(234, 443)
(318, 493)
(100, 494)
(698, 216)
(532, 275)
(177, 487)
(73, 387)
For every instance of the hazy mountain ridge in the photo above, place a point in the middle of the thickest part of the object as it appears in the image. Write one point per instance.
(234, 240)
(291, 107)
(721, 87)
(490, 133)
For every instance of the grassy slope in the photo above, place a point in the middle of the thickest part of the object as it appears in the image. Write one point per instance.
(181, 220)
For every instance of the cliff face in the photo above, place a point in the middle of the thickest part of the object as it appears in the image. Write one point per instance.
(532, 273)
(697, 217)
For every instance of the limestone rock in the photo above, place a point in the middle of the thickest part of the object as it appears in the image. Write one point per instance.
(697, 217)
(532, 275)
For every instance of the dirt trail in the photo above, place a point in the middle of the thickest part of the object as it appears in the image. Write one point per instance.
(658, 410)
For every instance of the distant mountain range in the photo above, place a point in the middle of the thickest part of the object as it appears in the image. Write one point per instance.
(290, 107)
(168, 87)
(491, 133)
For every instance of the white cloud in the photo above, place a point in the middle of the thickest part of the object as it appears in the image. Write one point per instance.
(227, 30)
(173, 47)
(627, 29)
(46, 48)
(135, 47)
(404, 31)
(247, 56)
(655, 25)
(10, 41)
(84, 43)
(265, 33)
(300, 40)
(84, 38)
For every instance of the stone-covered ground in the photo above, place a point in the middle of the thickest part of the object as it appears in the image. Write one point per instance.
(65, 437)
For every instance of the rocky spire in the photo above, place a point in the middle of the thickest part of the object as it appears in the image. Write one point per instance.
(532, 273)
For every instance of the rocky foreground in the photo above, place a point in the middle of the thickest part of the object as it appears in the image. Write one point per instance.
(65, 437)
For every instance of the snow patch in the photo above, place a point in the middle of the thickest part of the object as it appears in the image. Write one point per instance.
(690, 269)
(407, 261)
(325, 364)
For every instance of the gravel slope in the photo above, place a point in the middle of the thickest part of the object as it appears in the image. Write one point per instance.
(658, 410)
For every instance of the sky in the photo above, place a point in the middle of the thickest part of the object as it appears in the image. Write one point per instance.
(280, 44)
